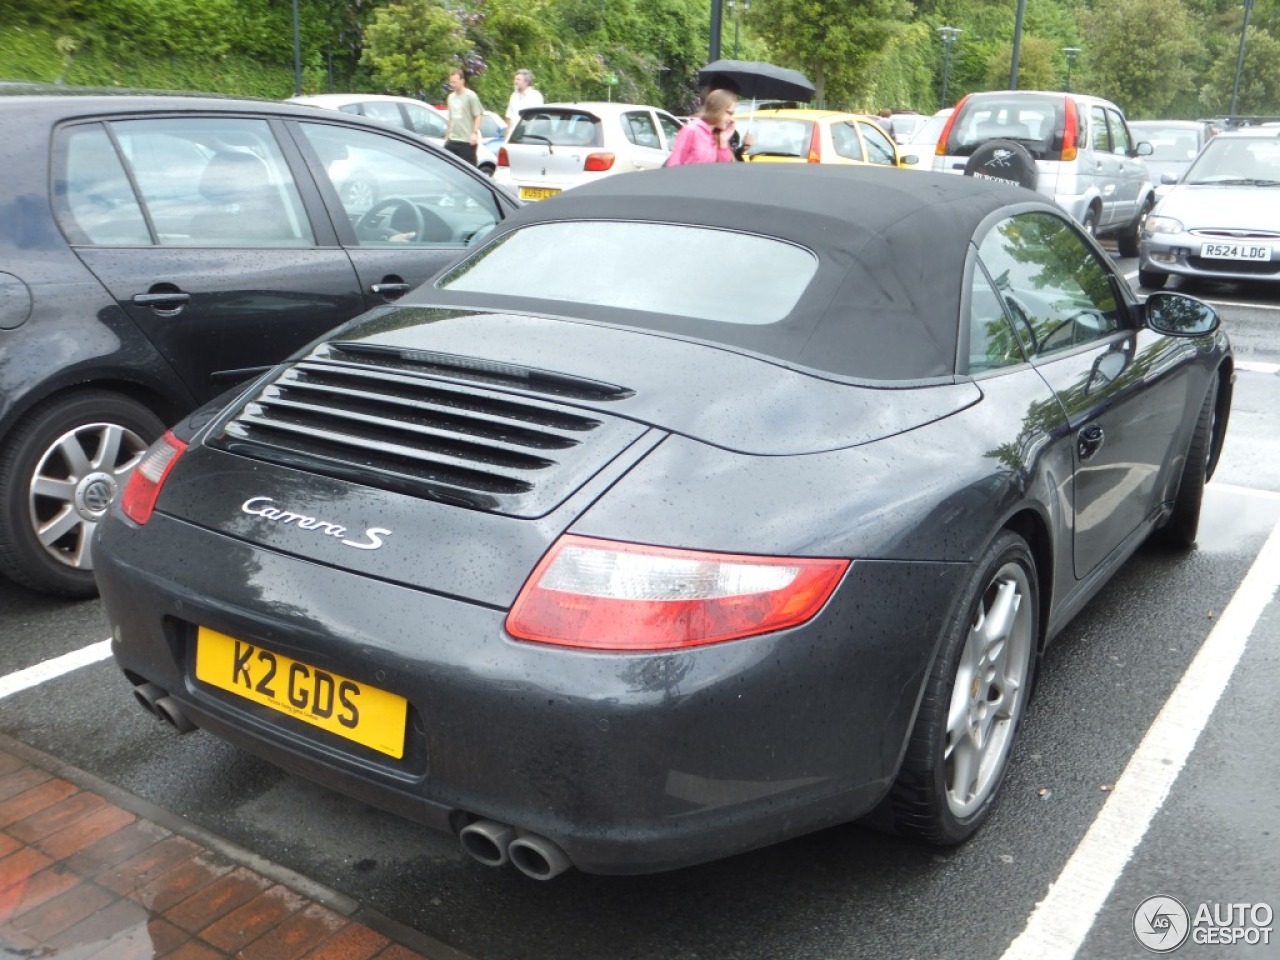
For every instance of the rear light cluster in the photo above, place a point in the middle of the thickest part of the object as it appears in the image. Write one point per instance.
(1070, 131)
(607, 595)
(941, 149)
(503, 159)
(598, 162)
(140, 493)
(815, 145)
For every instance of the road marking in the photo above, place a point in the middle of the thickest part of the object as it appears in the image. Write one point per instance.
(1245, 491)
(1255, 367)
(50, 669)
(1061, 921)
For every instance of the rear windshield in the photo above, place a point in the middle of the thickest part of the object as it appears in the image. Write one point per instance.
(778, 136)
(558, 128)
(646, 267)
(1036, 122)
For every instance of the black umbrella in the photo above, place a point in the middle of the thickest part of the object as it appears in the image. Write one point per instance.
(756, 80)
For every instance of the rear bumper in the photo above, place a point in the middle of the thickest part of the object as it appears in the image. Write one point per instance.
(631, 763)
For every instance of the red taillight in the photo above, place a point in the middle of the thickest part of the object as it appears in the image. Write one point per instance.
(941, 149)
(503, 161)
(624, 596)
(140, 493)
(598, 162)
(1070, 132)
(815, 145)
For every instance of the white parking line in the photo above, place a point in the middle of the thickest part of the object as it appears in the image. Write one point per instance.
(1062, 920)
(49, 669)
(1255, 367)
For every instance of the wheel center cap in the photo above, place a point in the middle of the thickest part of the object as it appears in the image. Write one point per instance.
(94, 494)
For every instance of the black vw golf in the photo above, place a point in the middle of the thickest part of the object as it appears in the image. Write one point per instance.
(691, 511)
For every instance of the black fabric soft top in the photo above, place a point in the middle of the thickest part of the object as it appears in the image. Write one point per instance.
(891, 246)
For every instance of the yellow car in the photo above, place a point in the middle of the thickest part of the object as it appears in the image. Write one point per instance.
(818, 136)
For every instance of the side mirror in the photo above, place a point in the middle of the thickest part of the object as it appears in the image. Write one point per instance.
(1178, 315)
(908, 160)
(1145, 149)
(1168, 178)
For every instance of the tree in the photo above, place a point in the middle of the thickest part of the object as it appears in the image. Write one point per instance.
(1259, 79)
(834, 42)
(1141, 53)
(411, 45)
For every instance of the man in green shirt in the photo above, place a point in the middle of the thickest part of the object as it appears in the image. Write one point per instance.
(465, 114)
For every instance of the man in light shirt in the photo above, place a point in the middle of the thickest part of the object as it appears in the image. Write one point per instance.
(465, 114)
(523, 97)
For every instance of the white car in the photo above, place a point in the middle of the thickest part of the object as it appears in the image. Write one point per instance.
(562, 145)
(422, 118)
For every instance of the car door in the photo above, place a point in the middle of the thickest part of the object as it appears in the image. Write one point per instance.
(645, 150)
(402, 210)
(1122, 389)
(200, 231)
(1102, 166)
(1132, 173)
(880, 148)
(670, 127)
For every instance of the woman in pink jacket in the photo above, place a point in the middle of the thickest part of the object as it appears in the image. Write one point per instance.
(705, 138)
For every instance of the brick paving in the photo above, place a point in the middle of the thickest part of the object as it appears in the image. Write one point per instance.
(84, 876)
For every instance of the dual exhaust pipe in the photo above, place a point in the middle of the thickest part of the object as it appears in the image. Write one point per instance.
(497, 844)
(491, 843)
(157, 702)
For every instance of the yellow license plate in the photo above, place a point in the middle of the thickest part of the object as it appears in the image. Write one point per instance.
(356, 711)
(537, 193)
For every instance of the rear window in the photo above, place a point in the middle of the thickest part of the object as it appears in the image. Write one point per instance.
(557, 128)
(779, 137)
(1036, 122)
(644, 267)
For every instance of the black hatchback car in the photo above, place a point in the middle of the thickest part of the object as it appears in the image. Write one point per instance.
(157, 249)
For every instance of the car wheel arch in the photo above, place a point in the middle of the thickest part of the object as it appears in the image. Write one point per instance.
(164, 403)
(1034, 528)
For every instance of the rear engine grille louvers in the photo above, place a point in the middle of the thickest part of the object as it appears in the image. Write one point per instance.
(360, 417)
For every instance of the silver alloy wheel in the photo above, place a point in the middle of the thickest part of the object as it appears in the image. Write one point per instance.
(73, 486)
(990, 690)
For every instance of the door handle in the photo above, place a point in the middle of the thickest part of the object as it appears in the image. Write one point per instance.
(391, 290)
(162, 301)
(1090, 441)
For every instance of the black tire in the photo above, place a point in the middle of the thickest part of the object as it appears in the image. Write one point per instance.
(978, 688)
(1005, 160)
(1129, 240)
(59, 469)
(1151, 279)
(1179, 531)
(488, 169)
(1090, 221)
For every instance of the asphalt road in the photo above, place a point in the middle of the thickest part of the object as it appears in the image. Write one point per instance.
(846, 892)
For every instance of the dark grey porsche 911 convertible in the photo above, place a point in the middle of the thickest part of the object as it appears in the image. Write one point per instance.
(690, 511)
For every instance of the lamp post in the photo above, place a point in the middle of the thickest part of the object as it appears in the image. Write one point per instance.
(736, 10)
(1072, 53)
(717, 24)
(949, 35)
(1235, 87)
(297, 54)
(1017, 44)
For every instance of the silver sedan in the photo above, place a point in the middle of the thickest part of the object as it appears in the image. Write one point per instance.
(1222, 221)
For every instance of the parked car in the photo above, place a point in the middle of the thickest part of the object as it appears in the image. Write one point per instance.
(1221, 221)
(818, 136)
(559, 146)
(595, 564)
(1174, 144)
(925, 140)
(158, 249)
(423, 119)
(1075, 148)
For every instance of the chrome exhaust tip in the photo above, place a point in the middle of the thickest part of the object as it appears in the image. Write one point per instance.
(537, 857)
(147, 695)
(487, 841)
(168, 710)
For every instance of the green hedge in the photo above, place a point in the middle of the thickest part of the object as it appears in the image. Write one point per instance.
(32, 53)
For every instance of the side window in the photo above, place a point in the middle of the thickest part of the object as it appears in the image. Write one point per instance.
(879, 146)
(384, 111)
(427, 122)
(1055, 288)
(92, 197)
(214, 182)
(845, 142)
(670, 127)
(1120, 142)
(489, 127)
(640, 129)
(992, 342)
(396, 193)
(1098, 123)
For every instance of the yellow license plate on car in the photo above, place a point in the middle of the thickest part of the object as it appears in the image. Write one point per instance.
(537, 193)
(356, 711)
